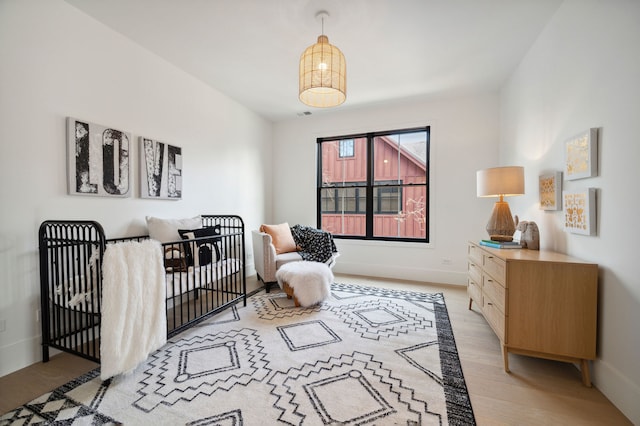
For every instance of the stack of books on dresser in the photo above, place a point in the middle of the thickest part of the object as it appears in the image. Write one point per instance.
(501, 244)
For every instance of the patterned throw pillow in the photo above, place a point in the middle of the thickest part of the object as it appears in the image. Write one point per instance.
(202, 245)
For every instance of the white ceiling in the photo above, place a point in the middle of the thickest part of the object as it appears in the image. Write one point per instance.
(395, 49)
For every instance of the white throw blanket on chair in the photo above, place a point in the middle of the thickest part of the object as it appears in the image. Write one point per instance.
(134, 322)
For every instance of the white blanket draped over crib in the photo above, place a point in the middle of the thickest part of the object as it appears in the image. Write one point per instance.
(134, 320)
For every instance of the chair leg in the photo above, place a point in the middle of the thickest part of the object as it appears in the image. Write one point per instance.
(268, 285)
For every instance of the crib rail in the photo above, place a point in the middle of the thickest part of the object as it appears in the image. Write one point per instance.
(71, 256)
(69, 252)
(196, 292)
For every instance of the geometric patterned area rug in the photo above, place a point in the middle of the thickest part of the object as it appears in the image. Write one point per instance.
(364, 356)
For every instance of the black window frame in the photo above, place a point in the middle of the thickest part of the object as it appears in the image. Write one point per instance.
(370, 186)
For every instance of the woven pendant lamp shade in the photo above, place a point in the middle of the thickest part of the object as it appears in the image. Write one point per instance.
(323, 75)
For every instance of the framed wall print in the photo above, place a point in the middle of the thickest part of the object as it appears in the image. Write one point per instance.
(550, 186)
(97, 160)
(160, 170)
(581, 155)
(580, 211)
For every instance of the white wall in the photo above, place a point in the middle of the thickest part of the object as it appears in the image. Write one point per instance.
(57, 62)
(581, 73)
(464, 138)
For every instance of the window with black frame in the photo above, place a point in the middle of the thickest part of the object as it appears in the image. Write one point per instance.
(375, 185)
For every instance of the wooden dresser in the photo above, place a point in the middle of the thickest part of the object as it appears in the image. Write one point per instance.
(539, 303)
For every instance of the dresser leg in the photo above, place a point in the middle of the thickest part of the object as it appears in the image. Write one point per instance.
(505, 358)
(586, 376)
(470, 301)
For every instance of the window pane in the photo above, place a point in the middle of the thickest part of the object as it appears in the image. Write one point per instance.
(401, 157)
(328, 200)
(336, 169)
(387, 199)
(408, 222)
(347, 220)
(348, 200)
(362, 201)
(343, 200)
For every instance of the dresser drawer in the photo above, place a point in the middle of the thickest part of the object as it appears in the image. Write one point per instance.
(494, 291)
(475, 254)
(495, 267)
(475, 273)
(494, 317)
(474, 291)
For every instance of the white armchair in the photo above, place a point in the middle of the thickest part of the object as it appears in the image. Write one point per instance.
(267, 262)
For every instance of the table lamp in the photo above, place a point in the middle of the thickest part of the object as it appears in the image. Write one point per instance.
(500, 182)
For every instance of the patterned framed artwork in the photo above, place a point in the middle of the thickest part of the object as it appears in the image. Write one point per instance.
(160, 170)
(581, 155)
(580, 211)
(97, 160)
(550, 187)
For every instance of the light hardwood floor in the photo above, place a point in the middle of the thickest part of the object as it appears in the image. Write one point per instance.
(536, 392)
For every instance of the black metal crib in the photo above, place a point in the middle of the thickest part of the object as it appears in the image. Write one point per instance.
(71, 255)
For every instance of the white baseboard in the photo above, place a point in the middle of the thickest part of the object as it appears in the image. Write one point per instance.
(402, 273)
(617, 387)
(20, 355)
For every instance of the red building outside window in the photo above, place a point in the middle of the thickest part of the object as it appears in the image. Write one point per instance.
(375, 186)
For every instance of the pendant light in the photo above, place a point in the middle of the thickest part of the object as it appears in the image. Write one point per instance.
(323, 73)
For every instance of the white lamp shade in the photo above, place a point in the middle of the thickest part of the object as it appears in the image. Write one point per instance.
(500, 181)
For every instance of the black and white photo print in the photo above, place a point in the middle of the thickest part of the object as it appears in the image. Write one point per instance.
(160, 170)
(97, 160)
